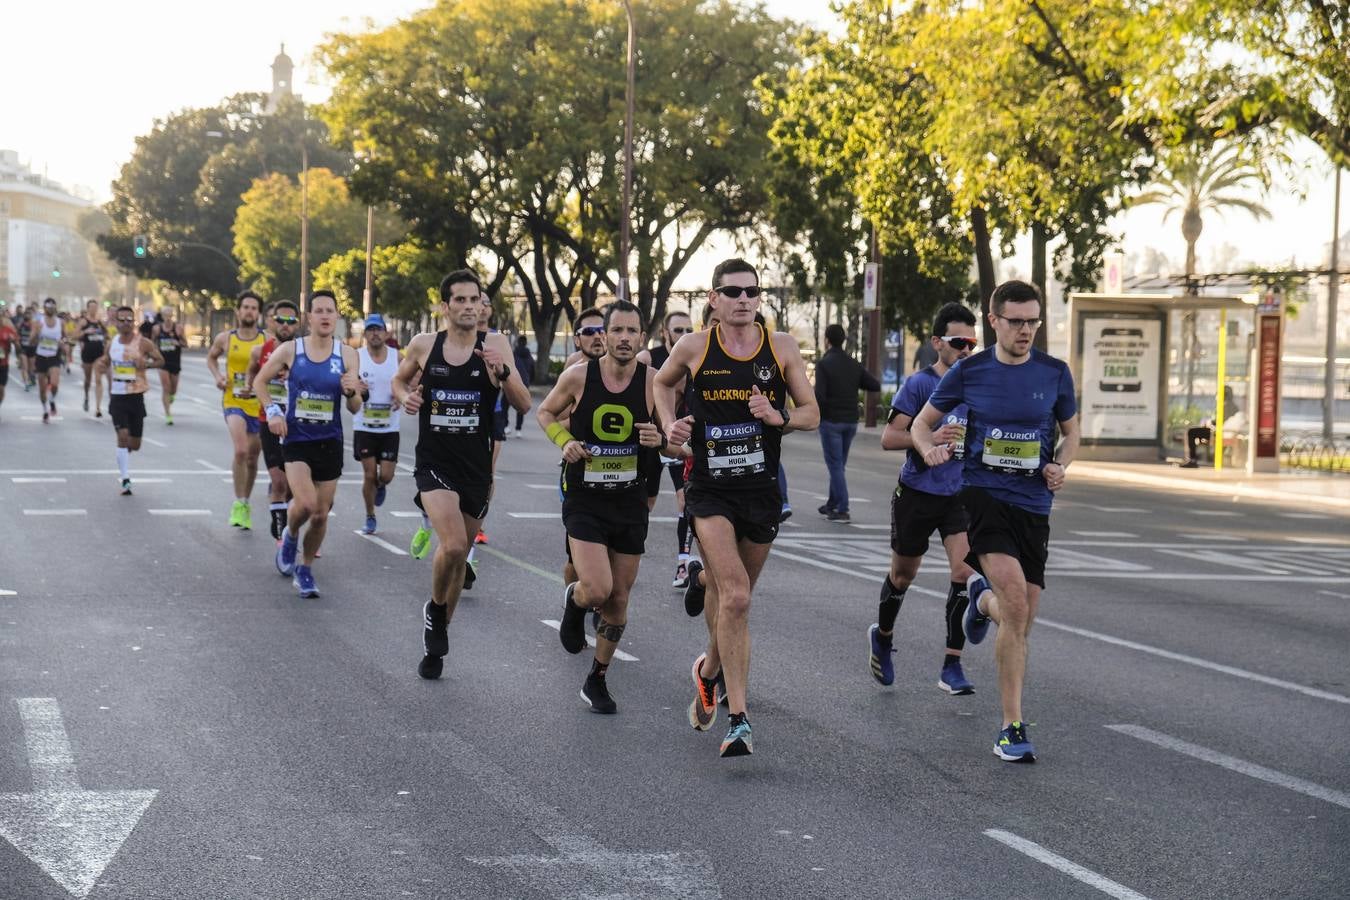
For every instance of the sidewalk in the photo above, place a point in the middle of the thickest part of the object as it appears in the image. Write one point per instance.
(1325, 489)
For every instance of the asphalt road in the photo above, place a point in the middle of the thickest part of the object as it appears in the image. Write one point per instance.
(1189, 684)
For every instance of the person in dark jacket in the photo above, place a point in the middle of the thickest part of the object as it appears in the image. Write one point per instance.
(525, 366)
(839, 377)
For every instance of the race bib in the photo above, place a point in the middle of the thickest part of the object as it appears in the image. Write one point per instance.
(94, 337)
(735, 450)
(455, 411)
(240, 388)
(958, 444)
(314, 408)
(167, 345)
(48, 346)
(124, 371)
(376, 414)
(1014, 450)
(611, 466)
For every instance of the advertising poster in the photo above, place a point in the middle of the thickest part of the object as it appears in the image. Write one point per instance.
(1121, 362)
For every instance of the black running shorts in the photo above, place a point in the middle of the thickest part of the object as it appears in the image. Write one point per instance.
(916, 514)
(618, 521)
(173, 362)
(382, 445)
(90, 354)
(753, 514)
(46, 363)
(323, 457)
(128, 413)
(999, 527)
(473, 498)
(273, 457)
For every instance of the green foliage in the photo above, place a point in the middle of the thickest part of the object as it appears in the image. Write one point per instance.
(403, 286)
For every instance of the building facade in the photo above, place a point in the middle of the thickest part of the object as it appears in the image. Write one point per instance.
(42, 253)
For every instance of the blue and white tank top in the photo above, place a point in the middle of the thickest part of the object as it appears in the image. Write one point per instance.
(314, 392)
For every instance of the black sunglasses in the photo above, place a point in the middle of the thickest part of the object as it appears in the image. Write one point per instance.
(959, 343)
(680, 330)
(734, 292)
(125, 319)
(591, 330)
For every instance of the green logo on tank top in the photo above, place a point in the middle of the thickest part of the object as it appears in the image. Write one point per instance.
(612, 422)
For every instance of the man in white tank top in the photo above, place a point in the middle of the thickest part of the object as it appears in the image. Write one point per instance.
(50, 338)
(375, 426)
(125, 360)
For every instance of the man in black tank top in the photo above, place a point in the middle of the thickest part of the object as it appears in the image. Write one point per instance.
(676, 325)
(741, 377)
(93, 342)
(461, 373)
(609, 402)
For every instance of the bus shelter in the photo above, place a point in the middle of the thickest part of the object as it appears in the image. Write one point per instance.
(1152, 368)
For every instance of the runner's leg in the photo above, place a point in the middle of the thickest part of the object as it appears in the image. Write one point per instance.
(733, 568)
(324, 491)
(1012, 605)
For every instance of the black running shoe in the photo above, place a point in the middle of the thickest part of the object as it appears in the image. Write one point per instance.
(126, 487)
(693, 595)
(470, 575)
(597, 695)
(435, 639)
(430, 667)
(572, 629)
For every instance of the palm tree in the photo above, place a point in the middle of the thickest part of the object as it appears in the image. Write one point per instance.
(1200, 180)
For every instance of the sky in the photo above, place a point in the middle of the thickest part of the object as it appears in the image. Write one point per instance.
(84, 77)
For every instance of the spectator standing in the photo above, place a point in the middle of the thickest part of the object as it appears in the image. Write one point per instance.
(525, 366)
(839, 377)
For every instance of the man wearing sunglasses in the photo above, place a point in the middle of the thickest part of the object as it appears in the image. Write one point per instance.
(676, 325)
(125, 359)
(588, 337)
(238, 404)
(375, 427)
(741, 376)
(925, 501)
(1015, 397)
(285, 316)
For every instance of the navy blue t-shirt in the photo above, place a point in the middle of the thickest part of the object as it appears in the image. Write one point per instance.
(1011, 413)
(943, 480)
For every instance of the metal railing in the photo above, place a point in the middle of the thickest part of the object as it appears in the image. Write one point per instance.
(1315, 453)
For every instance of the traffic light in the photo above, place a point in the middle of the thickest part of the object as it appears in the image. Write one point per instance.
(56, 273)
(140, 247)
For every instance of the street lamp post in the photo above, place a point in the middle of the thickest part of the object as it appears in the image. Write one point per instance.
(304, 220)
(625, 226)
(1333, 298)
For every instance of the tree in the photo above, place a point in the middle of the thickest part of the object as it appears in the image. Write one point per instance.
(403, 285)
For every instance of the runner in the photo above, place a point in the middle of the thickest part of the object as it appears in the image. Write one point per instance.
(27, 329)
(126, 358)
(375, 427)
(9, 337)
(925, 501)
(609, 403)
(240, 406)
(168, 336)
(285, 319)
(50, 352)
(93, 340)
(675, 326)
(1015, 395)
(741, 376)
(69, 335)
(588, 339)
(320, 369)
(462, 371)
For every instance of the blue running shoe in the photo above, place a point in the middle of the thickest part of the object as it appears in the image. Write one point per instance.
(879, 655)
(975, 624)
(370, 525)
(286, 553)
(379, 495)
(738, 741)
(1013, 745)
(954, 681)
(304, 583)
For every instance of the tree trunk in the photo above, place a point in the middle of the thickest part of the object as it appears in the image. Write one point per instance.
(1038, 277)
(984, 266)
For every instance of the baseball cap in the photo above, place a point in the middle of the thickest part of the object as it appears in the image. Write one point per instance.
(375, 320)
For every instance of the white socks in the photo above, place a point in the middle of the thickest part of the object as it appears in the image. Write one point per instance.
(124, 461)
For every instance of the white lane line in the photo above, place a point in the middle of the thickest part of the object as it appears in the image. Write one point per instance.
(110, 471)
(1120, 509)
(542, 487)
(402, 514)
(385, 544)
(49, 758)
(618, 654)
(1303, 516)
(55, 512)
(210, 466)
(870, 527)
(850, 499)
(1068, 867)
(1197, 662)
(1212, 512)
(179, 512)
(1232, 560)
(38, 480)
(1213, 537)
(405, 467)
(1107, 534)
(153, 442)
(5, 593)
(1335, 594)
(1232, 763)
(139, 480)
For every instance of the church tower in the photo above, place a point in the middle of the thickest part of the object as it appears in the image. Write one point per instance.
(282, 70)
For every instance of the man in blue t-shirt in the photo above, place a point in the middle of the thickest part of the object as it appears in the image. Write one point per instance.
(1015, 397)
(925, 501)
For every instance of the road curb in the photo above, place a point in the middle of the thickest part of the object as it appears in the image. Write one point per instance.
(1232, 490)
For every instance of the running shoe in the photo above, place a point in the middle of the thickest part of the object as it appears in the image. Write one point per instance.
(681, 579)
(435, 638)
(421, 543)
(370, 525)
(44, 417)
(783, 516)
(738, 742)
(1013, 745)
(86, 404)
(245, 516)
(234, 514)
(278, 524)
(304, 583)
(879, 661)
(480, 538)
(721, 688)
(954, 681)
(976, 623)
(53, 406)
(824, 509)
(841, 517)
(572, 629)
(470, 574)
(168, 420)
(379, 495)
(703, 708)
(286, 553)
(596, 693)
(693, 594)
(126, 487)
(98, 412)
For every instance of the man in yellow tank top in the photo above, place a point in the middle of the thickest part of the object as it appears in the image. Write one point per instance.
(239, 404)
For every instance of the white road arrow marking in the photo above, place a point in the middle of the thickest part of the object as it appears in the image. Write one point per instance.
(70, 833)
